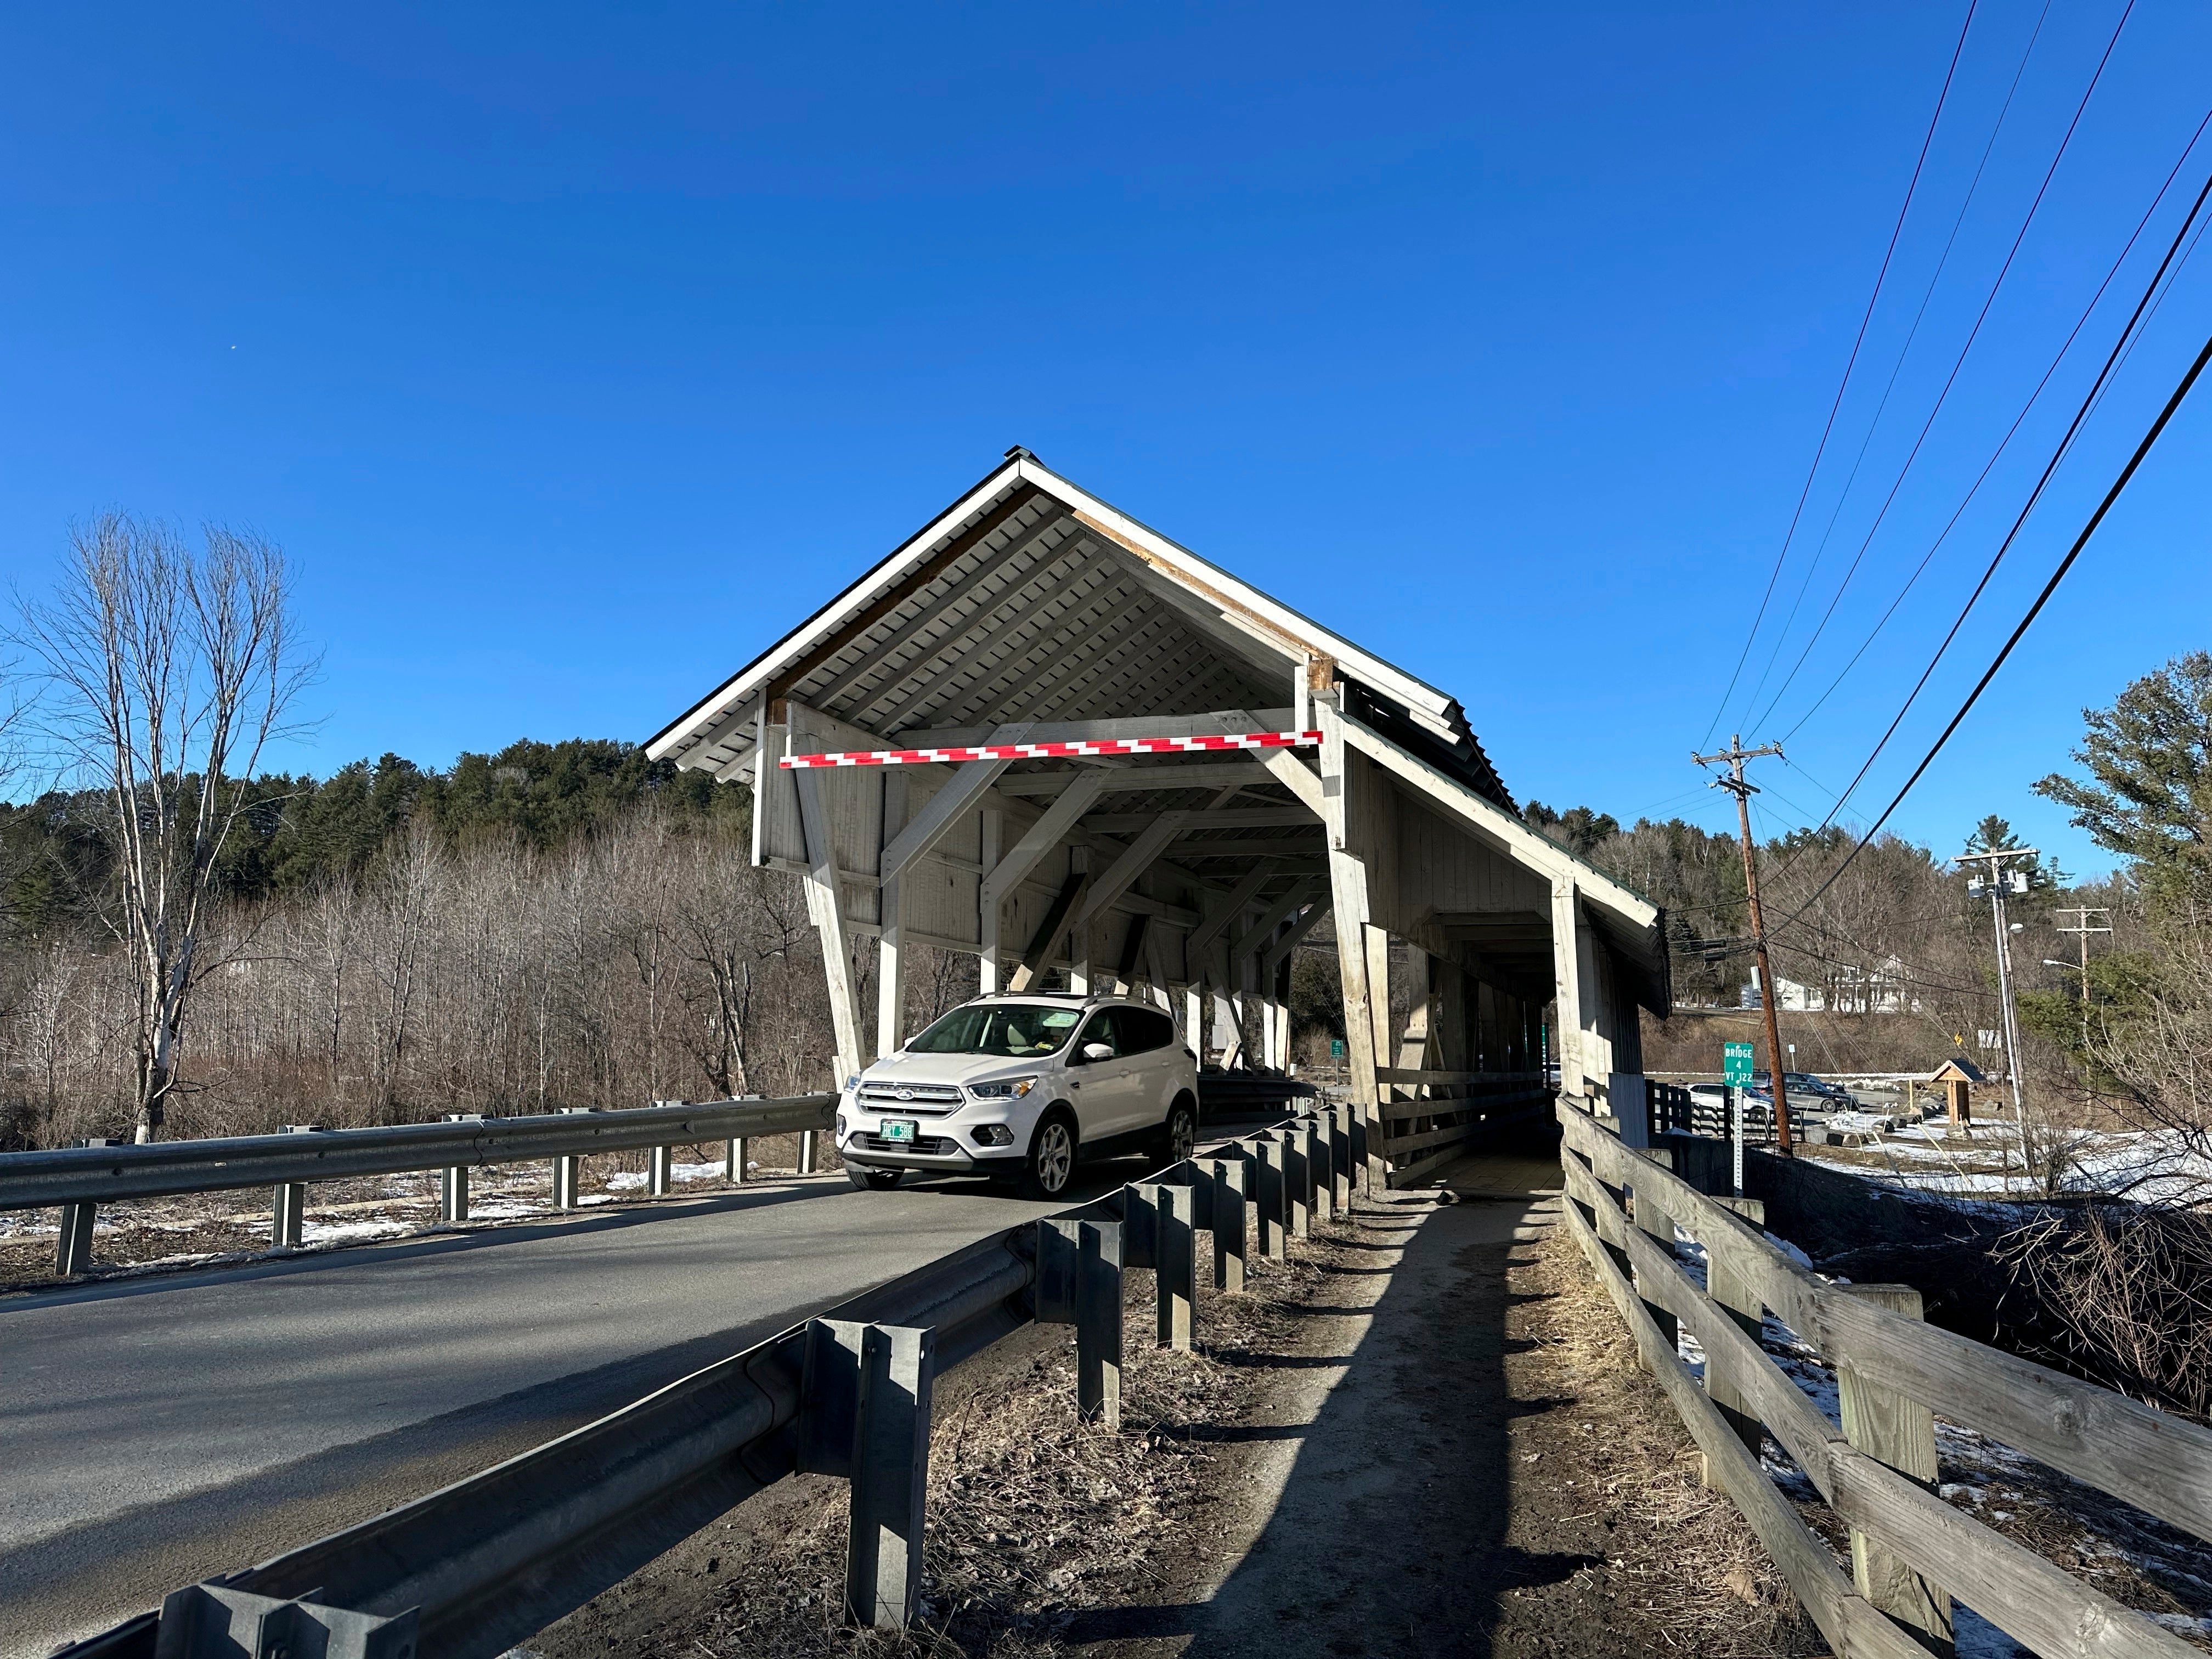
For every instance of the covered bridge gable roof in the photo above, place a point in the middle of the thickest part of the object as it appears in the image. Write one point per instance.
(1028, 598)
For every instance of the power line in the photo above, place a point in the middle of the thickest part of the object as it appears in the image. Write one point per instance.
(2058, 454)
(1957, 364)
(2034, 397)
(1881, 407)
(1821, 449)
(2119, 484)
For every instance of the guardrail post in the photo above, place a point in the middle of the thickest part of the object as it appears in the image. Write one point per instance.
(1892, 1429)
(864, 1417)
(1270, 1196)
(453, 1192)
(290, 1218)
(662, 1171)
(1228, 1220)
(734, 1168)
(890, 1472)
(1171, 1210)
(1338, 1120)
(566, 1168)
(806, 1151)
(1739, 1298)
(1078, 1283)
(1140, 1224)
(1298, 1183)
(1098, 1325)
(73, 1249)
(1322, 1164)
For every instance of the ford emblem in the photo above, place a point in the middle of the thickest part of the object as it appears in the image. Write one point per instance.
(906, 1094)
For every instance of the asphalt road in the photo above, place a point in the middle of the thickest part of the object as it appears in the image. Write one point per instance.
(159, 1431)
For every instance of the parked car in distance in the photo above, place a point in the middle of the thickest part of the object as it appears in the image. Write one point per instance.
(1714, 1096)
(1805, 1090)
(1804, 1083)
(1021, 1087)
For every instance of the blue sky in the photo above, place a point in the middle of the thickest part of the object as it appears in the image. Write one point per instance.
(575, 354)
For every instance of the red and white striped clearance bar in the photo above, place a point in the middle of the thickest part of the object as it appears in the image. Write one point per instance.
(1013, 751)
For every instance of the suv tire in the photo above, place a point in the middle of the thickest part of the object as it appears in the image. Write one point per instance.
(1177, 1136)
(1049, 1168)
(873, 1180)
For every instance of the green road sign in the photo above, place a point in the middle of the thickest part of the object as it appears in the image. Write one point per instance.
(1335, 1049)
(1736, 1065)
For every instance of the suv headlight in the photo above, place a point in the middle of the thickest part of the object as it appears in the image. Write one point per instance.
(1007, 1088)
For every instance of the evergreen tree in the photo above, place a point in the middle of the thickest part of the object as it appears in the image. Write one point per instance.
(2148, 796)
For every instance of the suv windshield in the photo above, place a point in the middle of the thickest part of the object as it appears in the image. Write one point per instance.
(1017, 1031)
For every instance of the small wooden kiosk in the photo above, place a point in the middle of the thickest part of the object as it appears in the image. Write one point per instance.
(1956, 1076)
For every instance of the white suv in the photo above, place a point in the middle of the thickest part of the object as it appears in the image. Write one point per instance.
(1019, 1087)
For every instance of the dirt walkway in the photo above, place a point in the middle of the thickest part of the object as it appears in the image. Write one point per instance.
(1426, 1435)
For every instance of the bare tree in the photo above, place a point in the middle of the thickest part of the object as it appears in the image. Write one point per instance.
(170, 670)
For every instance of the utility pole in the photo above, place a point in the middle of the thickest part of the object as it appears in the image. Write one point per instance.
(2081, 913)
(1736, 785)
(1996, 878)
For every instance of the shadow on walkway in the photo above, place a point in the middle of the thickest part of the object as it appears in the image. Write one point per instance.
(1388, 1533)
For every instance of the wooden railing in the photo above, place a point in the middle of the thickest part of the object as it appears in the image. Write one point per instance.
(1674, 1107)
(1434, 1112)
(1912, 1551)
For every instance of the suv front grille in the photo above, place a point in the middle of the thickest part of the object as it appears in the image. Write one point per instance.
(927, 1145)
(925, 1098)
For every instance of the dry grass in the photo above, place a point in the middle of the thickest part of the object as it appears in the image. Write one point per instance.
(1033, 1514)
(1681, 1553)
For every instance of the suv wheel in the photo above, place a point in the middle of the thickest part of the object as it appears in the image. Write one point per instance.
(1051, 1164)
(873, 1180)
(1179, 1134)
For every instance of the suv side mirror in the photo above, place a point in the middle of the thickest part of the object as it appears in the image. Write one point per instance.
(1094, 1052)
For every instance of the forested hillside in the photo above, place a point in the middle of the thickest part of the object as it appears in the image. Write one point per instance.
(555, 924)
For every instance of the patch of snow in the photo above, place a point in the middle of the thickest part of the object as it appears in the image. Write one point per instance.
(1978, 1639)
(628, 1180)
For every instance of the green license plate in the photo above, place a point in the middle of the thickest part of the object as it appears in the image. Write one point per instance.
(899, 1128)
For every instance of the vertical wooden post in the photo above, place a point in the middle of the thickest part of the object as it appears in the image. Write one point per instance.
(1740, 1299)
(891, 921)
(1348, 909)
(1656, 1224)
(825, 905)
(1567, 983)
(733, 1162)
(660, 1170)
(1230, 1221)
(1901, 1432)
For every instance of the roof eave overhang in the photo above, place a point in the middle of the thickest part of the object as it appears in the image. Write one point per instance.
(1433, 717)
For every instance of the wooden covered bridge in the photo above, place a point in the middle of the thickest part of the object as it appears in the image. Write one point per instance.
(1032, 616)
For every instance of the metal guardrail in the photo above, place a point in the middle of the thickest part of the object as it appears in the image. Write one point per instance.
(469, 1572)
(80, 1178)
